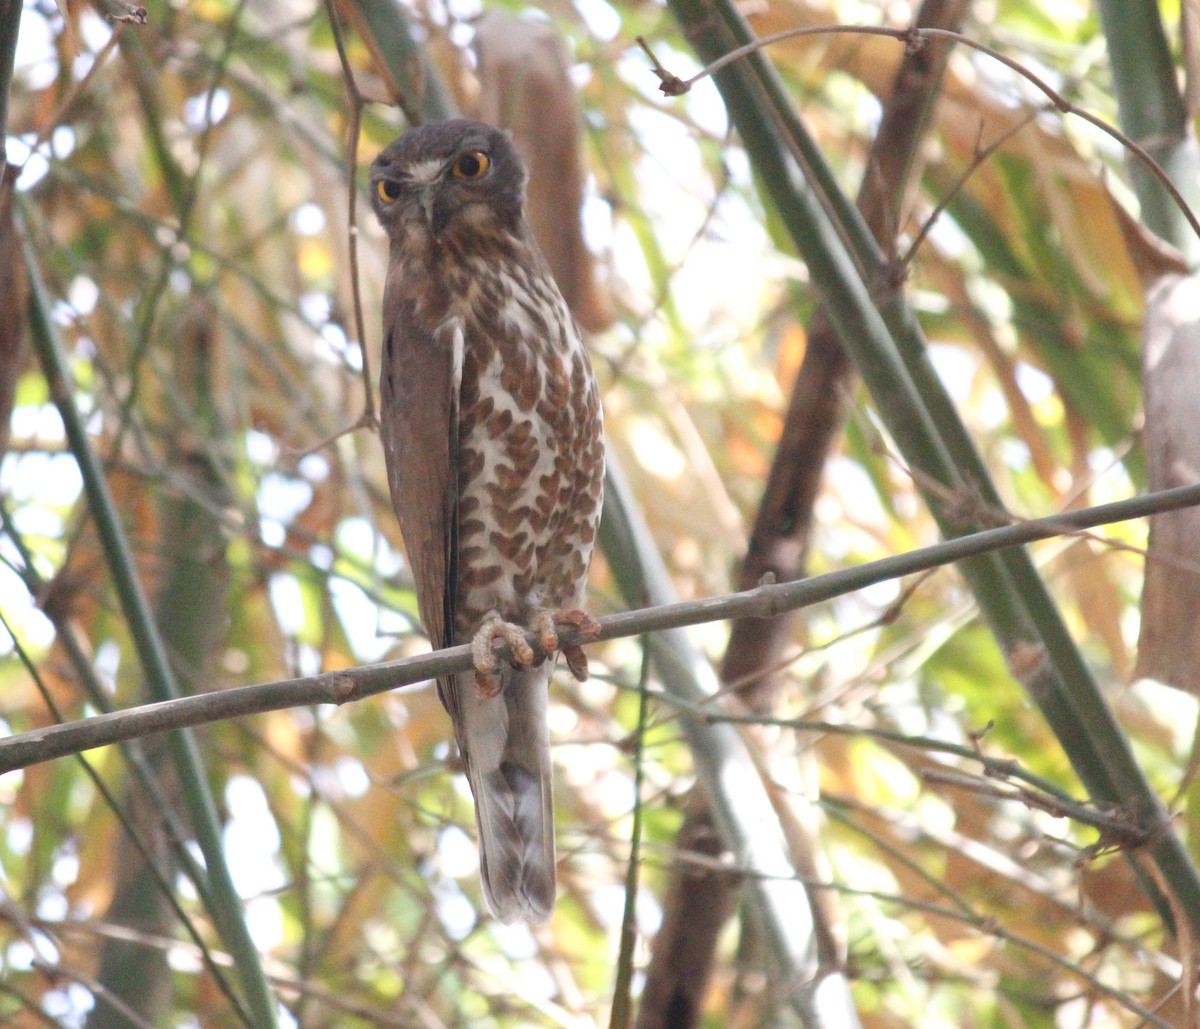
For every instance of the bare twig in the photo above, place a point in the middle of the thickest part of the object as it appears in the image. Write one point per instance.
(76, 90)
(983, 924)
(765, 601)
(150, 863)
(1117, 829)
(982, 153)
(622, 1008)
(355, 98)
(673, 85)
(1001, 768)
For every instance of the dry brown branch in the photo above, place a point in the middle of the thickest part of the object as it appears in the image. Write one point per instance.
(354, 99)
(765, 601)
(683, 951)
(914, 38)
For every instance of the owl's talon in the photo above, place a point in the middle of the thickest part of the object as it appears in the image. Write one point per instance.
(584, 624)
(543, 625)
(577, 662)
(520, 652)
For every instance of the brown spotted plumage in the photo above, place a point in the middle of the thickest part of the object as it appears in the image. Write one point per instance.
(492, 433)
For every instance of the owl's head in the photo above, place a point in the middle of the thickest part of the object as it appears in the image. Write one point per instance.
(445, 176)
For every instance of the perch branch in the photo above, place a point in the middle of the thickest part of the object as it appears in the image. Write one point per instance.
(24, 749)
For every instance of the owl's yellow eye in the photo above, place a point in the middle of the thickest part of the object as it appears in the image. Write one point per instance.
(387, 190)
(471, 166)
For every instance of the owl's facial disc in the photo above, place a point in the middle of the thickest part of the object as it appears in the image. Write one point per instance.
(449, 177)
(438, 188)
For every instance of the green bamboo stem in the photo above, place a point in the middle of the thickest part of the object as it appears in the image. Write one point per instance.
(753, 95)
(190, 611)
(888, 347)
(156, 666)
(388, 32)
(741, 811)
(621, 1015)
(10, 27)
(1151, 111)
(139, 768)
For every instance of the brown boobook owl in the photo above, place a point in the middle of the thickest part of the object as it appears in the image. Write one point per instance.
(492, 434)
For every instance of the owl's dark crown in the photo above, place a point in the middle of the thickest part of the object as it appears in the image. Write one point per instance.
(448, 173)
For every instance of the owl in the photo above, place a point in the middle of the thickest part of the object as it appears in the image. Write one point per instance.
(492, 434)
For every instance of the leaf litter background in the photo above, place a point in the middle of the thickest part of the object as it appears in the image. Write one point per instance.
(188, 210)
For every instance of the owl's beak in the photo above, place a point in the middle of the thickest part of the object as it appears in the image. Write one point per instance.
(426, 201)
(433, 204)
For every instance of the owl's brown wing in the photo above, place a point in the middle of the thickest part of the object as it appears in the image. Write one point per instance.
(419, 427)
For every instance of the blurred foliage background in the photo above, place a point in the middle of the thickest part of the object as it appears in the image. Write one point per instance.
(180, 196)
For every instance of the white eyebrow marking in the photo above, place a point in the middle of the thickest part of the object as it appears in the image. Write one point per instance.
(425, 171)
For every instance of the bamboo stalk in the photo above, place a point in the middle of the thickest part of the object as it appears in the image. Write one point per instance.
(886, 342)
(152, 654)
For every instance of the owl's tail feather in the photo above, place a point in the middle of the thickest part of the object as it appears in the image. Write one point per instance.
(507, 749)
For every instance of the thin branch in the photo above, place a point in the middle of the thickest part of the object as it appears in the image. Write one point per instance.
(76, 90)
(982, 153)
(91, 930)
(118, 1009)
(1002, 768)
(985, 925)
(24, 749)
(673, 85)
(1117, 831)
(622, 1008)
(134, 834)
(147, 641)
(355, 99)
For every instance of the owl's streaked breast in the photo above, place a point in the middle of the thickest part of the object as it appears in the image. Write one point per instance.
(531, 459)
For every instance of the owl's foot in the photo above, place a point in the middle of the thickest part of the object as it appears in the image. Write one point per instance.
(546, 623)
(496, 628)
